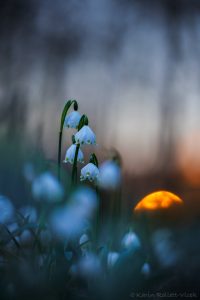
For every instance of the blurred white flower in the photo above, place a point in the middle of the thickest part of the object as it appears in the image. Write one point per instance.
(131, 241)
(165, 250)
(71, 220)
(85, 199)
(112, 258)
(72, 120)
(83, 239)
(67, 222)
(28, 171)
(89, 266)
(70, 154)
(47, 187)
(90, 172)
(85, 136)
(109, 175)
(29, 212)
(146, 270)
(6, 209)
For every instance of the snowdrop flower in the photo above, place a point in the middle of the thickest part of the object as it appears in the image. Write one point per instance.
(85, 136)
(70, 154)
(72, 120)
(89, 266)
(68, 222)
(146, 269)
(112, 258)
(6, 209)
(90, 172)
(71, 220)
(28, 171)
(29, 212)
(85, 199)
(47, 187)
(131, 241)
(83, 239)
(109, 175)
(165, 250)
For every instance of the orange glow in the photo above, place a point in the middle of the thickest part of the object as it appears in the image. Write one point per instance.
(157, 201)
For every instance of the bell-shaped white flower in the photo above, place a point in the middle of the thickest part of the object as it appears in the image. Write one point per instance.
(146, 269)
(85, 136)
(30, 213)
(47, 187)
(90, 172)
(109, 175)
(72, 120)
(112, 258)
(6, 209)
(70, 154)
(131, 241)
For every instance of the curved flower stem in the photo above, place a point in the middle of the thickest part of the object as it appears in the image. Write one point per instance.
(74, 169)
(62, 121)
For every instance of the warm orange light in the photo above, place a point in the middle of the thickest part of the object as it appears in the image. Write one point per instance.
(157, 201)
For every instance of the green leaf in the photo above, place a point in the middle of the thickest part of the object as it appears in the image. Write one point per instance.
(83, 121)
(94, 160)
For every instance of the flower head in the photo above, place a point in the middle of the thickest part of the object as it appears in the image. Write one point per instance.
(47, 187)
(146, 269)
(109, 175)
(29, 212)
(6, 209)
(70, 154)
(90, 172)
(72, 120)
(131, 241)
(112, 258)
(85, 136)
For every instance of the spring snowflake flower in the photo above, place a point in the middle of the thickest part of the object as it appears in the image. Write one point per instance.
(165, 248)
(112, 258)
(6, 209)
(85, 136)
(71, 220)
(90, 172)
(89, 266)
(131, 241)
(29, 212)
(109, 175)
(72, 120)
(146, 270)
(47, 187)
(70, 154)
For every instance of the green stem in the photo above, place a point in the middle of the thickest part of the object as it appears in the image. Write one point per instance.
(59, 153)
(62, 121)
(74, 169)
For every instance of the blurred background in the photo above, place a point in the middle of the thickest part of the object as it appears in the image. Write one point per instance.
(133, 66)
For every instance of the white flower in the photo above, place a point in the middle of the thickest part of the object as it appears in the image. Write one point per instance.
(112, 258)
(70, 154)
(6, 209)
(146, 269)
(83, 239)
(86, 199)
(47, 187)
(165, 248)
(72, 120)
(90, 172)
(109, 175)
(85, 136)
(89, 266)
(67, 222)
(131, 241)
(72, 219)
(29, 212)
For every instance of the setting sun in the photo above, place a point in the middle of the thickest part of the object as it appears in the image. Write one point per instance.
(158, 200)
